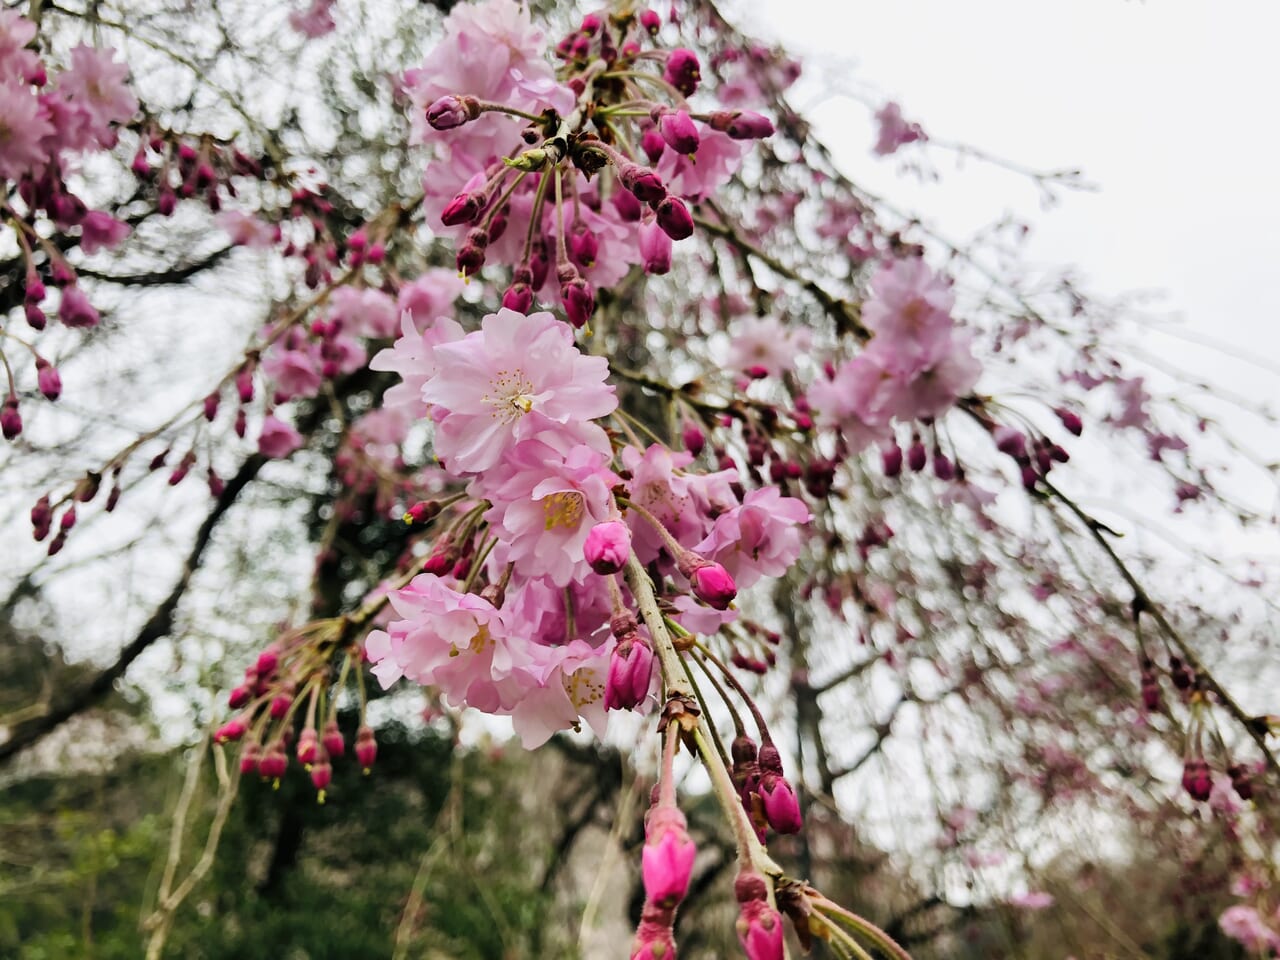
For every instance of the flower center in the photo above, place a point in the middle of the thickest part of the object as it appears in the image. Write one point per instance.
(510, 395)
(562, 510)
(478, 643)
(583, 687)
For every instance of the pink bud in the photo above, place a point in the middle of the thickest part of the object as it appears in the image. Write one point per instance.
(519, 297)
(321, 775)
(630, 674)
(249, 758)
(650, 20)
(674, 218)
(917, 456)
(694, 440)
(366, 748)
(275, 763)
(627, 206)
(678, 130)
(211, 405)
(471, 254)
(711, 581)
(464, 208)
(244, 383)
(268, 660)
(308, 746)
(741, 124)
(231, 730)
(334, 745)
(653, 144)
(607, 546)
(667, 859)
(760, 931)
(891, 460)
(1197, 779)
(583, 246)
(240, 696)
(1070, 420)
(1010, 442)
(579, 301)
(35, 291)
(450, 112)
(75, 309)
(683, 71)
(643, 182)
(943, 468)
(655, 249)
(10, 418)
(781, 808)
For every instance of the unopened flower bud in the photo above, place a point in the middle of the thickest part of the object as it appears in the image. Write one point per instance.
(682, 71)
(630, 674)
(274, 763)
(1070, 420)
(47, 379)
(308, 746)
(643, 182)
(655, 249)
(579, 301)
(653, 144)
(667, 859)
(10, 418)
(422, 512)
(627, 206)
(674, 218)
(249, 758)
(583, 246)
(678, 130)
(781, 807)
(694, 439)
(711, 582)
(607, 546)
(366, 748)
(233, 729)
(651, 22)
(450, 112)
(741, 124)
(464, 208)
(334, 744)
(917, 456)
(471, 254)
(1197, 779)
(760, 930)
(240, 696)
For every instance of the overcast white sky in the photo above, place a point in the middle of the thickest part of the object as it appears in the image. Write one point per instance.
(1167, 105)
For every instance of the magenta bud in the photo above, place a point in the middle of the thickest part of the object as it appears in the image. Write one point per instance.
(891, 460)
(579, 300)
(211, 405)
(627, 206)
(321, 775)
(464, 208)
(643, 182)
(1070, 420)
(683, 71)
(240, 696)
(678, 130)
(760, 930)
(630, 674)
(231, 730)
(651, 22)
(781, 808)
(47, 379)
(10, 418)
(1197, 779)
(519, 297)
(917, 456)
(35, 316)
(249, 758)
(274, 764)
(607, 547)
(1010, 442)
(334, 745)
(711, 582)
(244, 383)
(268, 660)
(75, 310)
(308, 746)
(674, 218)
(747, 125)
(450, 112)
(366, 748)
(667, 859)
(694, 439)
(421, 512)
(471, 254)
(653, 144)
(655, 249)
(943, 468)
(35, 291)
(583, 246)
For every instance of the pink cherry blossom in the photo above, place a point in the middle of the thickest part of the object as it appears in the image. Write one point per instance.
(545, 503)
(511, 380)
(455, 641)
(412, 357)
(278, 439)
(767, 343)
(246, 230)
(23, 127)
(571, 686)
(430, 295)
(894, 130)
(101, 231)
(95, 84)
(314, 21)
(760, 538)
(365, 311)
